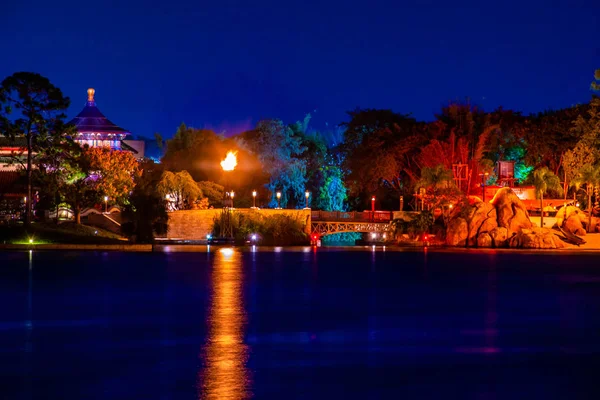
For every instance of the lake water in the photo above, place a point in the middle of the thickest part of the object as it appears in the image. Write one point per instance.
(299, 323)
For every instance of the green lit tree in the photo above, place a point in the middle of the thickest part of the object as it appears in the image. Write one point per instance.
(180, 188)
(279, 151)
(544, 180)
(332, 194)
(588, 176)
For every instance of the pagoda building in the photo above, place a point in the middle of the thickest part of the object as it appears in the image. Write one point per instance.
(95, 130)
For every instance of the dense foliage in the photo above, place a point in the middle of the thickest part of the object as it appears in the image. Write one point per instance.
(278, 229)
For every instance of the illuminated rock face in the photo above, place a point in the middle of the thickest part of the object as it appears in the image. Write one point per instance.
(572, 219)
(512, 213)
(503, 222)
(536, 238)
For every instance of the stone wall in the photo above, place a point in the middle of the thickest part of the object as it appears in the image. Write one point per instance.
(196, 224)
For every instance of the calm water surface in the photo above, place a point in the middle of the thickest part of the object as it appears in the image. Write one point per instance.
(299, 323)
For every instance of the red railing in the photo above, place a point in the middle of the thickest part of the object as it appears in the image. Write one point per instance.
(352, 216)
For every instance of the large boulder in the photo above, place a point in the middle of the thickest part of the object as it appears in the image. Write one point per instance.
(565, 213)
(484, 240)
(499, 237)
(536, 238)
(457, 232)
(483, 220)
(572, 219)
(573, 224)
(468, 220)
(511, 211)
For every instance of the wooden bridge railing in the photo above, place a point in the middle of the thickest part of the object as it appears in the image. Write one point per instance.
(341, 216)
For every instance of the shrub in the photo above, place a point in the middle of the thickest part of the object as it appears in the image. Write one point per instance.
(278, 229)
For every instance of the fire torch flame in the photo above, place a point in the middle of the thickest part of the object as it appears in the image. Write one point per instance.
(229, 163)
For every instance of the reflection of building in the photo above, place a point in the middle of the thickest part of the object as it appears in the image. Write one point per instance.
(95, 130)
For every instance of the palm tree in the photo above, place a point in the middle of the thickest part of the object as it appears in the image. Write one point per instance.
(544, 180)
(588, 175)
(434, 178)
(437, 182)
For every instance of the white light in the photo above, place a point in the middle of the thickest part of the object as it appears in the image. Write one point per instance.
(373, 235)
(253, 237)
(227, 252)
(209, 236)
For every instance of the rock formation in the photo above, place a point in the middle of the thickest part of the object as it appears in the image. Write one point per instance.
(503, 222)
(536, 238)
(512, 213)
(574, 220)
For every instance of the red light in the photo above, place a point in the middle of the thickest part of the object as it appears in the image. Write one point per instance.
(425, 237)
(314, 237)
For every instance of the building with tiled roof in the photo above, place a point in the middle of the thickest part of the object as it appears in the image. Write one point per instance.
(94, 129)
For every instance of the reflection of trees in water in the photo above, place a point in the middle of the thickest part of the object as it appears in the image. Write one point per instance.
(225, 375)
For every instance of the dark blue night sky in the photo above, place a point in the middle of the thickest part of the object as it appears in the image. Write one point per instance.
(227, 64)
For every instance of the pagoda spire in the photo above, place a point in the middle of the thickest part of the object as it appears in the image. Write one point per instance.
(90, 93)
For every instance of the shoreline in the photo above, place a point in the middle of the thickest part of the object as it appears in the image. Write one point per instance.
(592, 245)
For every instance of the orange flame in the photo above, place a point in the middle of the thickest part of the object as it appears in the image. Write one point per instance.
(229, 163)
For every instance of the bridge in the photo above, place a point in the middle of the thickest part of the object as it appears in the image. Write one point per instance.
(330, 222)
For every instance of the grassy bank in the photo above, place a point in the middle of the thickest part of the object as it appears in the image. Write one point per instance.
(51, 233)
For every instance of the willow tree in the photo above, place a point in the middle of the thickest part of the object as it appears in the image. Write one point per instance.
(544, 180)
(588, 175)
(31, 107)
(179, 188)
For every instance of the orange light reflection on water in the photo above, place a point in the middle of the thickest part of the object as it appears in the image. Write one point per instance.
(225, 375)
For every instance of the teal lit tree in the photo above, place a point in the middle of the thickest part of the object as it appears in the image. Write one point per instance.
(279, 151)
(332, 194)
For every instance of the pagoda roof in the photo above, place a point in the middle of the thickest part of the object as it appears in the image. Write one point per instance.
(91, 120)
